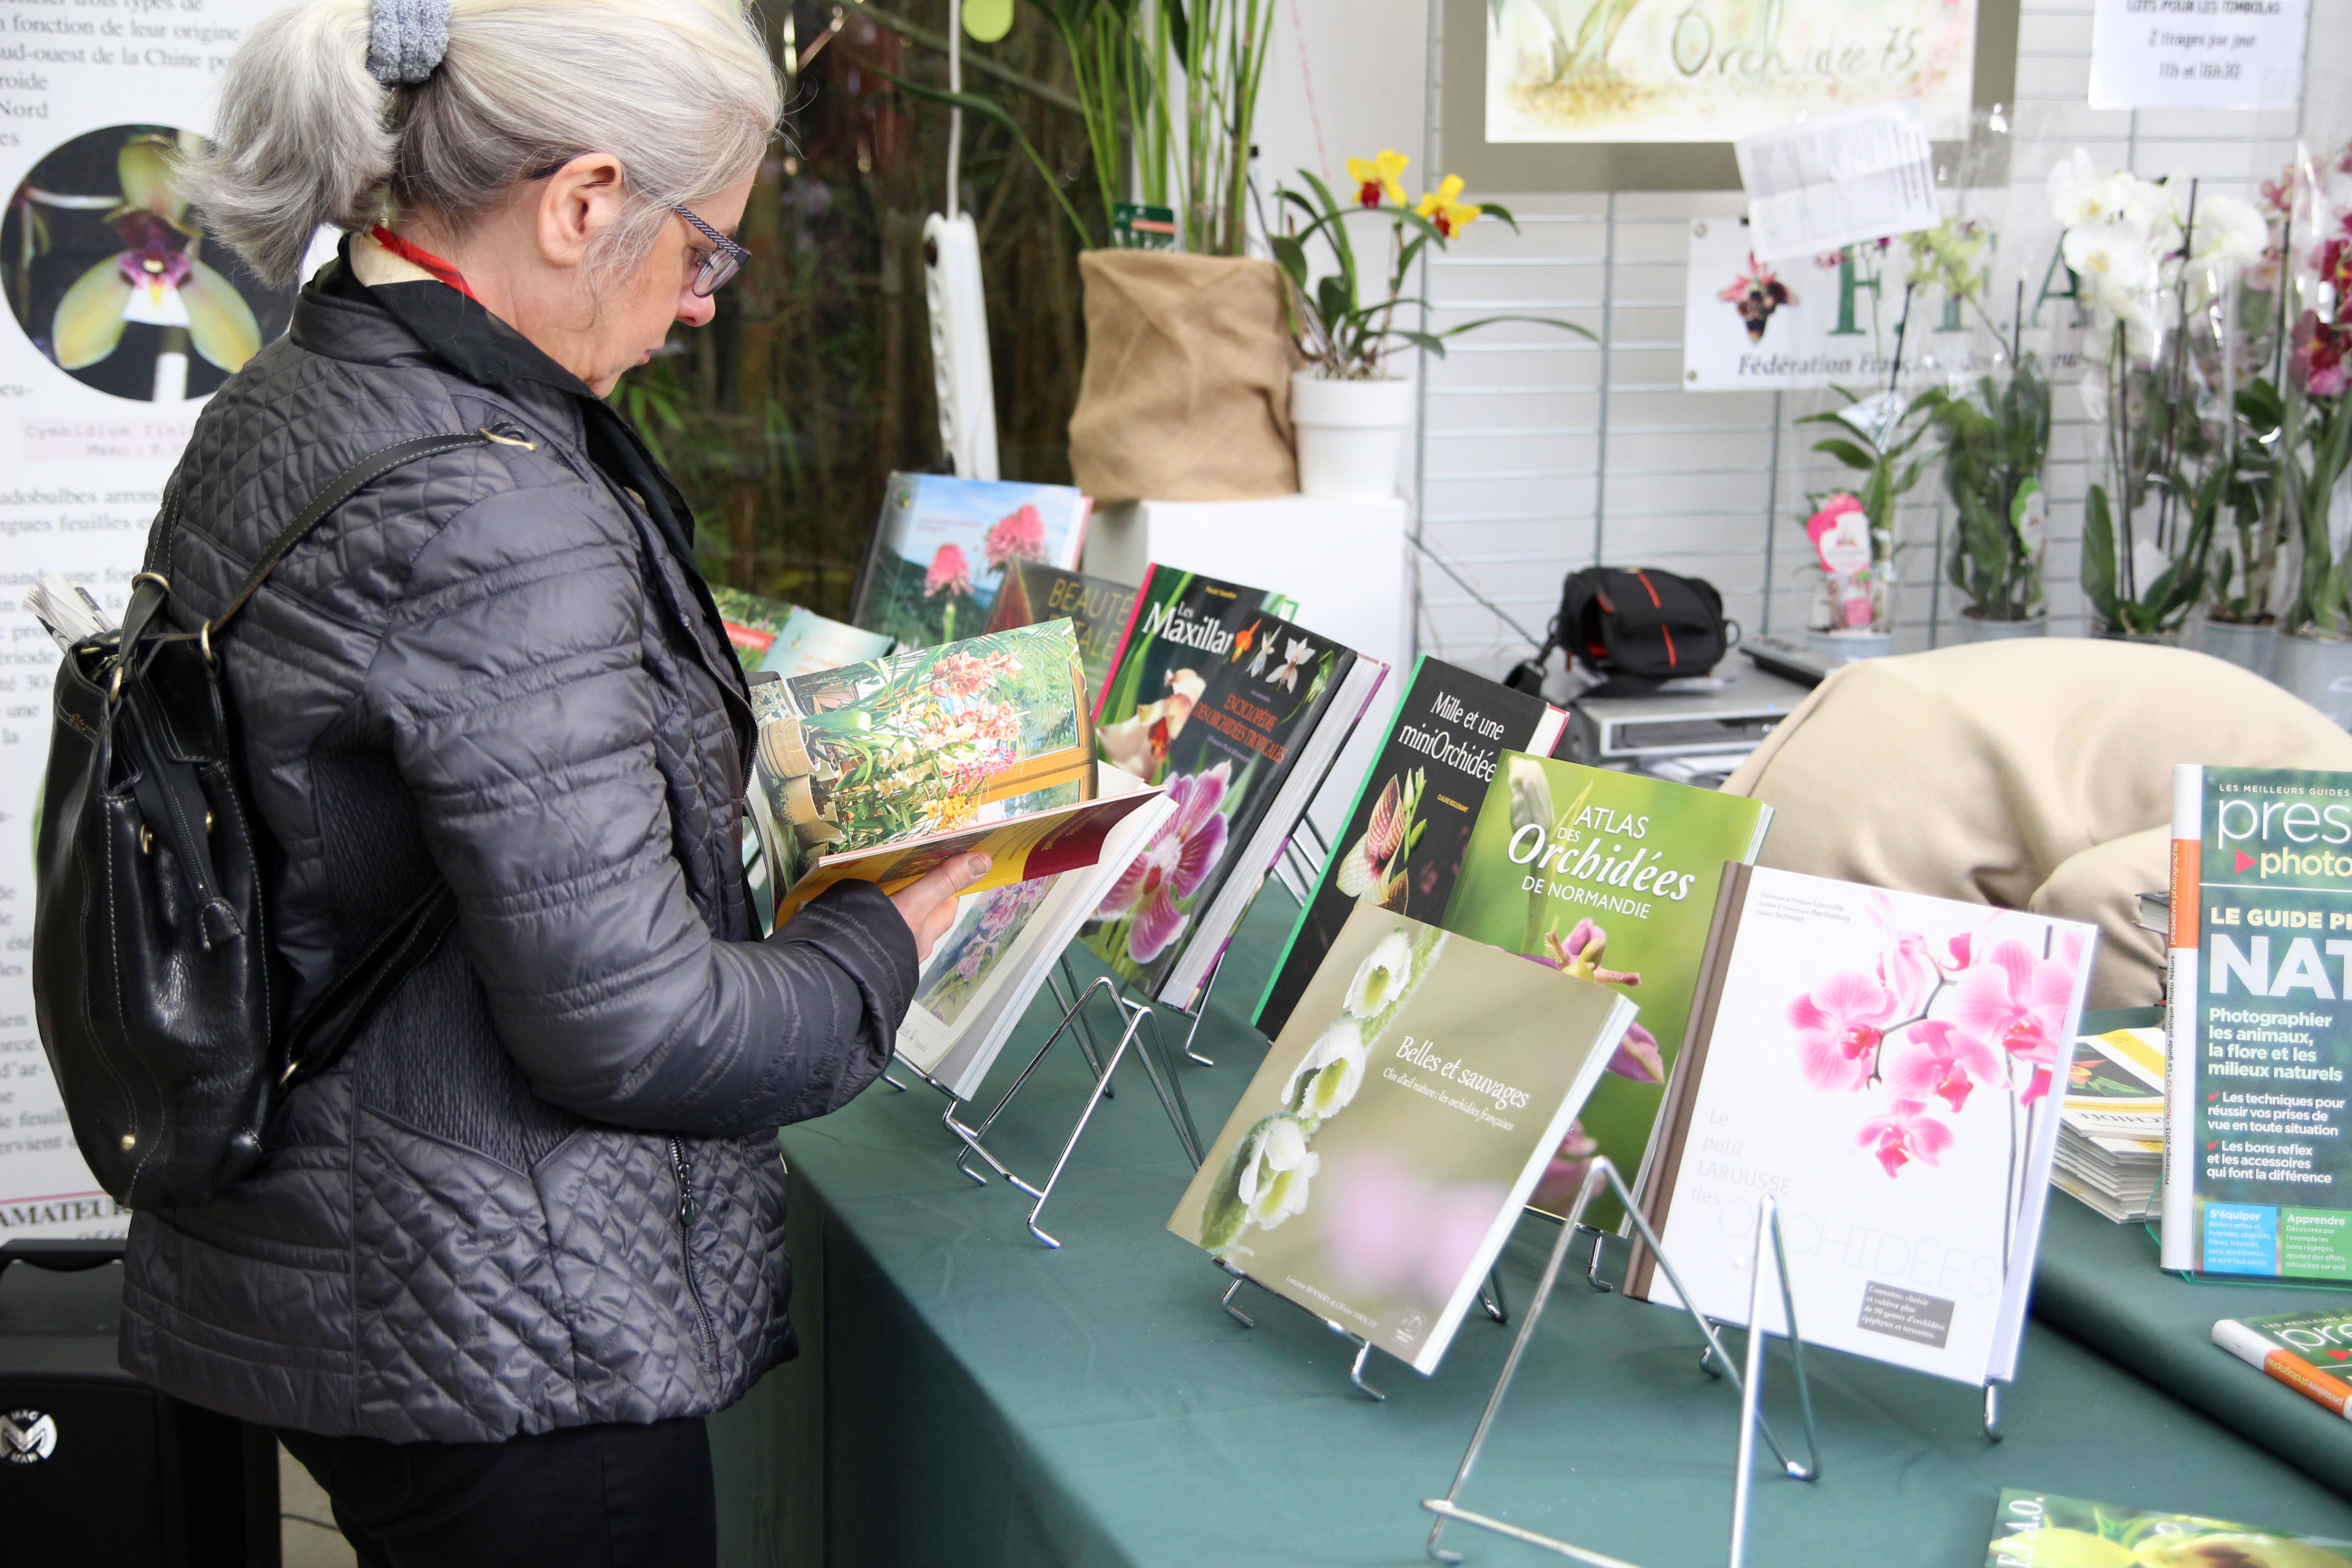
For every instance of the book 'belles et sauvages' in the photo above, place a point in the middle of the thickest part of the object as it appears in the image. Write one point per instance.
(1886, 1067)
(1610, 877)
(1413, 810)
(1376, 1163)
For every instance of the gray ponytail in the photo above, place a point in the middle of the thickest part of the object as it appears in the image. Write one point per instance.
(681, 92)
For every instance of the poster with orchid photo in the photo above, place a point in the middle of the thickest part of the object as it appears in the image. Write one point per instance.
(1889, 1069)
(942, 547)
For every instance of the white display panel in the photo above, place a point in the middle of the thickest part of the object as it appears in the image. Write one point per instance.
(84, 452)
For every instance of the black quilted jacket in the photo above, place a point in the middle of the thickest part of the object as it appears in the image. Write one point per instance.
(543, 1188)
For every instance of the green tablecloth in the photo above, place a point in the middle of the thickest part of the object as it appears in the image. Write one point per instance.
(2100, 1283)
(970, 1397)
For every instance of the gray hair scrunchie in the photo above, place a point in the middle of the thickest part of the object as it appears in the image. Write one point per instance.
(407, 39)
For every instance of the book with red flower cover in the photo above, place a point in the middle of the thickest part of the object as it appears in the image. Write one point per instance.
(1887, 1069)
(1271, 713)
(941, 549)
(1411, 823)
(1097, 610)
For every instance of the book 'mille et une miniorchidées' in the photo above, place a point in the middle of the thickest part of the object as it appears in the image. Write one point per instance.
(2257, 1148)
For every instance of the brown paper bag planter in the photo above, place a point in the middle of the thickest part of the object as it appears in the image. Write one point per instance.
(1186, 395)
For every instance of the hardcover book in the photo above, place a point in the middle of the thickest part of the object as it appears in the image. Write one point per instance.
(983, 973)
(1376, 1163)
(2257, 1176)
(1610, 877)
(1410, 822)
(867, 770)
(2037, 1529)
(1181, 626)
(1272, 711)
(939, 552)
(1886, 1067)
(771, 634)
(1097, 612)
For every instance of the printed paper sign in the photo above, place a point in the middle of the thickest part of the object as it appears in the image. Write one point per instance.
(1827, 319)
(2198, 54)
(122, 315)
(1837, 178)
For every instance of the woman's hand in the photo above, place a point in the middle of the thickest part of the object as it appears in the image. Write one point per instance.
(928, 905)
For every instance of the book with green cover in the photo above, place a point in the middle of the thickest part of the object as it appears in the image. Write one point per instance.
(1410, 822)
(1611, 876)
(1181, 627)
(2038, 1529)
(1377, 1162)
(1095, 609)
(922, 745)
(2257, 1144)
(771, 634)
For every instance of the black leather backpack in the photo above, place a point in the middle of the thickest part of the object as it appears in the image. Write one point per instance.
(1637, 629)
(159, 997)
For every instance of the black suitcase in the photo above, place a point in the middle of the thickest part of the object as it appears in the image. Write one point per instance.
(96, 1467)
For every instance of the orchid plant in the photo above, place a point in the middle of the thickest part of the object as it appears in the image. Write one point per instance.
(2157, 264)
(1852, 531)
(2317, 414)
(1344, 335)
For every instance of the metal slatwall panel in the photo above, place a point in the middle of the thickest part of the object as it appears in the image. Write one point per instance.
(1541, 453)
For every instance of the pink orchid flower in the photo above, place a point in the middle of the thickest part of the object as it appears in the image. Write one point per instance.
(1940, 1060)
(1907, 968)
(1904, 1134)
(1172, 866)
(1579, 954)
(1838, 1029)
(2017, 1002)
(1563, 1176)
(1637, 1056)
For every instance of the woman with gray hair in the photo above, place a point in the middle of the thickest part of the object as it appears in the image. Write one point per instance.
(500, 1259)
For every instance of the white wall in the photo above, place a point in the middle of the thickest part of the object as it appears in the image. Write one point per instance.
(1542, 453)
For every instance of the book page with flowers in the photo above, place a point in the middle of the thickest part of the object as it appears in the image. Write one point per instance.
(1376, 1163)
(1883, 1066)
(923, 744)
(943, 547)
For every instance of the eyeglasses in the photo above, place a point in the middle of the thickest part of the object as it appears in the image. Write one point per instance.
(723, 261)
(725, 258)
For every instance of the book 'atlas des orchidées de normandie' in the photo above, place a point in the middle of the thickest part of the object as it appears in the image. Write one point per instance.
(885, 769)
(1255, 707)
(2258, 1177)
(1611, 878)
(1887, 1069)
(1377, 1161)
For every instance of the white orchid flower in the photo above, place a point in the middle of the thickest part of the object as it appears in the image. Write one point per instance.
(2081, 193)
(1330, 1073)
(1273, 1183)
(1385, 970)
(2228, 231)
(2113, 256)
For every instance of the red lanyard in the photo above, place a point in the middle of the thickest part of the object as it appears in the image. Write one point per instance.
(420, 257)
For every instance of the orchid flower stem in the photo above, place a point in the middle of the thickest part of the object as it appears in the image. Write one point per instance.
(2177, 382)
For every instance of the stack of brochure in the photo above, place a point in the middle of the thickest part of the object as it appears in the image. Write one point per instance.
(2111, 1133)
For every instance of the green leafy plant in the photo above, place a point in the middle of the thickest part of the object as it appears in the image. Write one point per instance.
(1344, 335)
(1996, 439)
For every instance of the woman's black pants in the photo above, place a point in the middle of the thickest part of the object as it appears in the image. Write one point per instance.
(585, 1497)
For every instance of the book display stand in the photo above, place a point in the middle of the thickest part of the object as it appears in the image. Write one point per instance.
(1490, 1301)
(1716, 1362)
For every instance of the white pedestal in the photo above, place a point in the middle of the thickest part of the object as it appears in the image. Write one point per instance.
(1344, 561)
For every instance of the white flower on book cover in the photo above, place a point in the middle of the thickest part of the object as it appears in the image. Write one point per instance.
(1270, 1174)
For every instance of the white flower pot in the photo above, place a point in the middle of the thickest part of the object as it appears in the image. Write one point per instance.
(2248, 647)
(1350, 435)
(1976, 630)
(2318, 671)
(1844, 647)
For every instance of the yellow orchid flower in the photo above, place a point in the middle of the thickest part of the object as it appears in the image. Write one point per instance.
(1376, 177)
(1442, 207)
